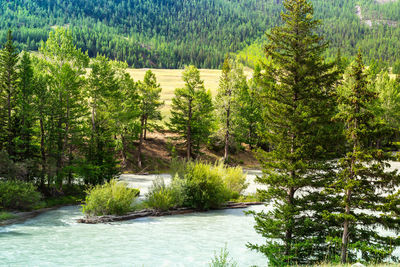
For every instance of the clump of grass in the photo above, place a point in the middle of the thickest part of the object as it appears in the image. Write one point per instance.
(110, 198)
(222, 259)
(197, 185)
(6, 216)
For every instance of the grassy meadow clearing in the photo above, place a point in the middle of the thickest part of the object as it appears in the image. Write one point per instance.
(170, 79)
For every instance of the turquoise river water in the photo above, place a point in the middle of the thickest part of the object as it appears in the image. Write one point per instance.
(56, 239)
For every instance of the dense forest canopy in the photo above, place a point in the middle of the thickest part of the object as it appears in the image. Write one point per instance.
(171, 34)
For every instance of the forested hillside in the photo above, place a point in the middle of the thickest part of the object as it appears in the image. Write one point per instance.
(170, 34)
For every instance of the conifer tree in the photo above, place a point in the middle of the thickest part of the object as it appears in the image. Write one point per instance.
(64, 66)
(249, 112)
(149, 106)
(103, 91)
(231, 84)
(224, 103)
(26, 110)
(297, 106)
(191, 113)
(8, 93)
(367, 195)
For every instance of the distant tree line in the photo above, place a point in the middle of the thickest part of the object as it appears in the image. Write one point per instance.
(172, 34)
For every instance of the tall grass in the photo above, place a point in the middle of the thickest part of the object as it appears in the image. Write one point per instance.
(110, 198)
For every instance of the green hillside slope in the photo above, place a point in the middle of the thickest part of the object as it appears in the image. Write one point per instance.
(170, 33)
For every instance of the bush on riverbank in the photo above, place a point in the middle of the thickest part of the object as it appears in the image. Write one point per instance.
(197, 185)
(110, 198)
(6, 216)
(18, 195)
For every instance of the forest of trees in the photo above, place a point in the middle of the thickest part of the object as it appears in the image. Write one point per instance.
(67, 118)
(324, 129)
(172, 34)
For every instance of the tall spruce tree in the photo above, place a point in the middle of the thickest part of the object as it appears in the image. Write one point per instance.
(149, 106)
(25, 147)
(297, 105)
(8, 94)
(103, 90)
(191, 114)
(367, 195)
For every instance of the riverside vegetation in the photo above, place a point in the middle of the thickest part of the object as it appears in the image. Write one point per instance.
(195, 185)
(323, 130)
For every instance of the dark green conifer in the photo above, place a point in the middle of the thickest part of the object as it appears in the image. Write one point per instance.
(367, 195)
(8, 89)
(298, 103)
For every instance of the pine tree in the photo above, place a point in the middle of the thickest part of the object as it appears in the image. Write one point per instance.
(191, 111)
(149, 105)
(231, 83)
(8, 93)
(366, 194)
(103, 88)
(26, 110)
(249, 112)
(64, 66)
(297, 102)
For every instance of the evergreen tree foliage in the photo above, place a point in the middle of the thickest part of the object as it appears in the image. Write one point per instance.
(64, 66)
(297, 103)
(367, 195)
(101, 164)
(192, 112)
(150, 104)
(224, 103)
(8, 94)
(26, 110)
(249, 119)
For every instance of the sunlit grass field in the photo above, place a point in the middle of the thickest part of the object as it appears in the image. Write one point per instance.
(170, 79)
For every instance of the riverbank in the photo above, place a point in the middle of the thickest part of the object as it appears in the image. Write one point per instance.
(155, 213)
(48, 204)
(22, 216)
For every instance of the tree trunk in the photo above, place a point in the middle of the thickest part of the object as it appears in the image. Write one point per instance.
(145, 128)
(43, 153)
(345, 237)
(289, 230)
(124, 158)
(9, 130)
(227, 135)
(189, 132)
(139, 155)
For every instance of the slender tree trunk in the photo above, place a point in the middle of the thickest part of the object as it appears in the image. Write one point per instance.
(9, 130)
(42, 152)
(145, 128)
(139, 155)
(93, 118)
(189, 132)
(124, 149)
(346, 224)
(289, 230)
(226, 150)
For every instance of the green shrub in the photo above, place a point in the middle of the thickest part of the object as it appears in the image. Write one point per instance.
(110, 198)
(18, 195)
(233, 177)
(163, 197)
(197, 185)
(205, 188)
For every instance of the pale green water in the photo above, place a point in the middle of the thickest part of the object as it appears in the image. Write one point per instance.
(55, 239)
